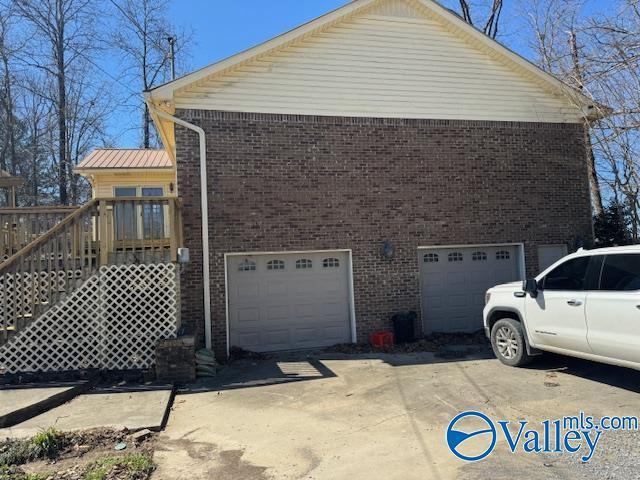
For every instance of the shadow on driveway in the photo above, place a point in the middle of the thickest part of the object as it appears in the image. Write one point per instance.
(619, 377)
(301, 366)
(260, 373)
(307, 366)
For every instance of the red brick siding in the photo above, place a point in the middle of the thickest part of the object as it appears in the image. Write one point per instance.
(279, 182)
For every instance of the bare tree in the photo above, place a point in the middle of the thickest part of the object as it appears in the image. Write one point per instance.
(88, 107)
(8, 50)
(492, 12)
(555, 27)
(35, 109)
(615, 64)
(142, 37)
(63, 33)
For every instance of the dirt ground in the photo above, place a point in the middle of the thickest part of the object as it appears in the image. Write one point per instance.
(89, 454)
(383, 416)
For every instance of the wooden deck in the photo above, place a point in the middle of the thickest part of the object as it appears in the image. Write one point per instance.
(40, 265)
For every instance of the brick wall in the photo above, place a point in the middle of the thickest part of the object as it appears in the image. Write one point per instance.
(287, 182)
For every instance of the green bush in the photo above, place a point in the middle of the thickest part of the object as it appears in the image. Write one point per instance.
(46, 444)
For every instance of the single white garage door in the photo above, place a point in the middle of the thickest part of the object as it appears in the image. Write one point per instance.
(454, 282)
(288, 301)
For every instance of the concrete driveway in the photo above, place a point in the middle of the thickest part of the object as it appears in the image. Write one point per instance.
(385, 417)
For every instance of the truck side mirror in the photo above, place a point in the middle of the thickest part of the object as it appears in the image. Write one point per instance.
(530, 286)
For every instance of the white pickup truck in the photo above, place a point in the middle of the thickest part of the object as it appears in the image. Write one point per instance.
(585, 305)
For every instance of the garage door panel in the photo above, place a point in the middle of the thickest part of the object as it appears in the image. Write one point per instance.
(305, 310)
(276, 312)
(479, 277)
(246, 315)
(308, 334)
(277, 306)
(277, 288)
(434, 302)
(334, 309)
(330, 335)
(456, 278)
(247, 290)
(453, 291)
(435, 279)
(276, 337)
(332, 288)
(248, 337)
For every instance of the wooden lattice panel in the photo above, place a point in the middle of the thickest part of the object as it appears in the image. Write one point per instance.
(112, 321)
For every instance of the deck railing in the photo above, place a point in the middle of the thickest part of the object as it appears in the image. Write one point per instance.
(102, 232)
(21, 226)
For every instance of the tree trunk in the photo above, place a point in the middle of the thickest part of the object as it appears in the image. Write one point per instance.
(594, 183)
(10, 136)
(34, 163)
(146, 120)
(62, 105)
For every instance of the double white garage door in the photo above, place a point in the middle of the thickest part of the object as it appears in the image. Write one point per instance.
(293, 301)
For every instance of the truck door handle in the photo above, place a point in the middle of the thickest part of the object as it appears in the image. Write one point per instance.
(574, 303)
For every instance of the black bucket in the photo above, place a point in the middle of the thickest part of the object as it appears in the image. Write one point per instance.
(404, 327)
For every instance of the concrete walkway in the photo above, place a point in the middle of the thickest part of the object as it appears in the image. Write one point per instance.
(126, 407)
(377, 417)
(21, 402)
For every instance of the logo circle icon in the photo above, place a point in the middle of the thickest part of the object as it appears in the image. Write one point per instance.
(471, 425)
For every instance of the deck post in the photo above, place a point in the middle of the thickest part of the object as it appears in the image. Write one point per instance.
(103, 233)
(173, 230)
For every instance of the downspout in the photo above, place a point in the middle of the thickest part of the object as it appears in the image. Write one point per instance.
(204, 206)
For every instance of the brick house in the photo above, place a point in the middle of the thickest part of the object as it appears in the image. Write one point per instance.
(386, 157)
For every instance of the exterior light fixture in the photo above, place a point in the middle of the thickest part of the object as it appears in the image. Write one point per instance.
(388, 250)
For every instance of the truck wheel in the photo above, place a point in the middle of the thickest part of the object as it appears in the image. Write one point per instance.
(509, 345)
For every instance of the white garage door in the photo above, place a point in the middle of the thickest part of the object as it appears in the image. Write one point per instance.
(288, 301)
(549, 254)
(454, 282)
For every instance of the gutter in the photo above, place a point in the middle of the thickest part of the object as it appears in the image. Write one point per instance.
(204, 206)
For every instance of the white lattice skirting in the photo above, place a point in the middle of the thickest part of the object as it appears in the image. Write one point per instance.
(113, 321)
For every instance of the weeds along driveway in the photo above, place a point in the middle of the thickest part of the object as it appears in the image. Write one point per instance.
(381, 417)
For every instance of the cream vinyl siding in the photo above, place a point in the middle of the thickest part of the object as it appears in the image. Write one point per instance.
(105, 183)
(401, 64)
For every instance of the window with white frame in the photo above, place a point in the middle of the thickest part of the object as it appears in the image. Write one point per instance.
(331, 263)
(275, 265)
(456, 257)
(503, 255)
(139, 219)
(303, 263)
(431, 258)
(247, 265)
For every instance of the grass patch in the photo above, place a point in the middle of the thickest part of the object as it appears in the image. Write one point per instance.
(132, 466)
(46, 444)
